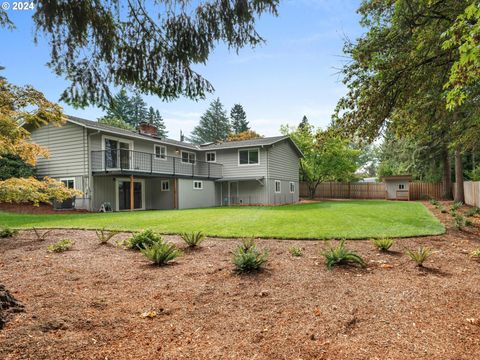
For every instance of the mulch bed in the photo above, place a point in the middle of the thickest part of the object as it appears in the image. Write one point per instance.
(87, 303)
(32, 209)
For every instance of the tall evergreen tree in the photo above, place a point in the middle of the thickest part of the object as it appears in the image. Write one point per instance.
(214, 125)
(239, 119)
(154, 118)
(120, 107)
(304, 124)
(139, 110)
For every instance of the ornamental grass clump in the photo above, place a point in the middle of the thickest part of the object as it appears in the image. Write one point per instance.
(247, 257)
(340, 255)
(295, 251)
(475, 254)
(61, 246)
(455, 207)
(420, 255)
(383, 244)
(143, 239)
(193, 239)
(472, 212)
(459, 221)
(105, 235)
(161, 252)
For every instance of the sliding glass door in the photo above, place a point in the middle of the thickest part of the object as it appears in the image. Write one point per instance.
(117, 154)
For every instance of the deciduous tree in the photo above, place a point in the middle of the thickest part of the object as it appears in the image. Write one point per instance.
(244, 135)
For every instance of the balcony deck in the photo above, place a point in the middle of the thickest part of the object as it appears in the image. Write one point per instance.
(131, 162)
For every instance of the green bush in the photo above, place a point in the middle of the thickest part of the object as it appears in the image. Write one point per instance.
(247, 258)
(61, 246)
(383, 244)
(161, 252)
(340, 255)
(472, 212)
(419, 255)
(434, 202)
(193, 239)
(7, 233)
(41, 236)
(455, 206)
(459, 221)
(295, 251)
(475, 254)
(143, 239)
(104, 235)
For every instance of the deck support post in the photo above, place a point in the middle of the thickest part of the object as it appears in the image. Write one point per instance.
(131, 193)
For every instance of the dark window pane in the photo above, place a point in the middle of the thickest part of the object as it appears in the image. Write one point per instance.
(243, 157)
(253, 157)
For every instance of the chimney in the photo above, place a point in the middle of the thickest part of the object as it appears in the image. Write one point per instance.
(182, 137)
(147, 129)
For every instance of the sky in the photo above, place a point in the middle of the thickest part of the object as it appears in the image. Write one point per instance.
(295, 73)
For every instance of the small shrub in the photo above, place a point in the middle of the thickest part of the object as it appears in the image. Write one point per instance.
(295, 251)
(41, 236)
(459, 221)
(193, 239)
(443, 210)
(475, 254)
(143, 239)
(340, 255)
(7, 233)
(383, 244)
(247, 258)
(104, 235)
(434, 202)
(61, 246)
(419, 255)
(472, 212)
(161, 252)
(455, 206)
(468, 222)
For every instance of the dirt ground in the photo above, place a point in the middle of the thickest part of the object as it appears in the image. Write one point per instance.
(87, 303)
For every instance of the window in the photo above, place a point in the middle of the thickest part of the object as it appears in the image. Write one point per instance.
(248, 157)
(292, 187)
(401, 186)
(68, 182)
(188, 157)
(160, 152)
(198, 185)
(165, 185)
(211, 156)
(278, 186)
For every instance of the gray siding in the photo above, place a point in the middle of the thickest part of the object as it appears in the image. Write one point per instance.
(67, 146)
(283, 162)
(104, 191)
(231, 168)
(188, 197)
(155, 197)
(284, 196)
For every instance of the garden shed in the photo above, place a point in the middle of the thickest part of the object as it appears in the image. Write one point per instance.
(397, 187)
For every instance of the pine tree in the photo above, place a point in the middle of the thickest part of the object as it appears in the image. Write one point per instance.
(239, 119)
(139, 110)
(120, 108)
(214, 125)
(304, 124)
(154, 118)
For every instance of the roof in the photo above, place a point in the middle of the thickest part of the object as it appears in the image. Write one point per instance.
(397, 177)
(95, 125)
(266, 141)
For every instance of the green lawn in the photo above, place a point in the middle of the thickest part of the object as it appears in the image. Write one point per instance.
(323, 220)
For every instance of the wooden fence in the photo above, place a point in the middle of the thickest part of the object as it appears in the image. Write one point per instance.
(336, 190)
(472, 193)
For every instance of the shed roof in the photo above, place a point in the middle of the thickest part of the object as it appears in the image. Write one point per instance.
(397, 177)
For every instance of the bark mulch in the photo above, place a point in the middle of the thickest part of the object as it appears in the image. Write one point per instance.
(87, 303)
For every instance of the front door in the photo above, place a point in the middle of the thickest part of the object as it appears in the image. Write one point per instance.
(233, 191)
(124, 195)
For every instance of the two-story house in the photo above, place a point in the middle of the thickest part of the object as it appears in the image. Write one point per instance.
(136, 170)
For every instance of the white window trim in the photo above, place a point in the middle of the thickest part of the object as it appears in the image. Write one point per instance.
(68, 179)
(280, 187)
(155, 152)
(188, 152)
(401, 187)
(131, 148)
(211, 152)
(163, 182)
(290, 187)
(117, 183)
(201, 185)
(238, 157)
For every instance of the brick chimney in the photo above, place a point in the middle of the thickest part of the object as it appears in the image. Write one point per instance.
(147, 129)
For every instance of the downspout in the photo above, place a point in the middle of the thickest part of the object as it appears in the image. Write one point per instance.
(267, 180)
(90, 177)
